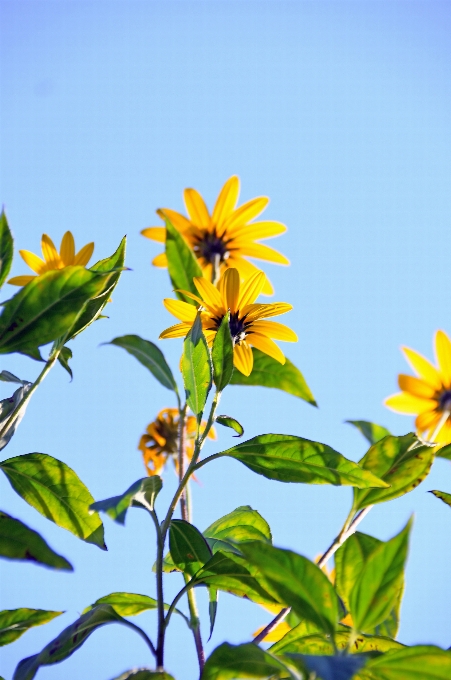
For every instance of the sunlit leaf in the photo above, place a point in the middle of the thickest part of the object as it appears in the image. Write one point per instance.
(228, 421)
(350, 559)
(182, 263)
(142, 492)
(63, 357)
(6, 248)
(222, 355)
(241, 525)
(372, 432)
(15, 622)
(196, 368)
(130, 604)
(444, 452)
(421, 662)
(267, 372)
(54, 490)
(150, 356)
(19, 542)
(228, 662)
(445, 497)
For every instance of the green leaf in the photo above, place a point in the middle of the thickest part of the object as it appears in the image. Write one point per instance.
(54, 490)
(268, 372)
(150, 356)
(196, 368)
(298, 582)
(444, 452)
(182, 264)
(330, 667)
(6, 248)
(212, 607)
(228, 421)
(130, 604)
(144, 674)
(239, 526)
(400, 463)
(7, 406)
(228, 662)
(189, 549)
(287, 458)
(15, 622)
(445, 497)
(19, 542)
(140, 494)
(7, 376)
(63, 357)
(350, 559)
(222, 355)
(71, 639)
(47, 308)
(377, 588)
(114, 266)
(372, 432)
(421, 662)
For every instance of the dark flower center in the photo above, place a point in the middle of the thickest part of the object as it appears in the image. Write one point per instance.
(211, 247)
(238, 328)
(445, 400)
(169, 431)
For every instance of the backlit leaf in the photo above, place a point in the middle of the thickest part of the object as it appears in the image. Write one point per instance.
(144, 674)
(130, 604)
(150, 356)
(350, 559)
(19, 542)
(54, 490)
(15, 622)
(421, 662)
(196, 368)
(189, 549)
(182, 263)
(222, 355)
(372, 432)
(444, 452)
(228, 662)
(445, 497)
(141, 493)
(6, 248)
(241, 525)
(228, 421)
(63, 357)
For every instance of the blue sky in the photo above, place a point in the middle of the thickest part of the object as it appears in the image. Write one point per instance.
(339, 111)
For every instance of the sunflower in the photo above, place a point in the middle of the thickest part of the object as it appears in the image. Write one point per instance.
(162, 438)
(247, 324)
(226, 237)
(52, 259)
(427, 396)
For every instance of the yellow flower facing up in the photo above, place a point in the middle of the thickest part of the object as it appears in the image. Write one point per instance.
(247, 318)
(227, 236)
(52, 259)
(162, 438)
(428, 396)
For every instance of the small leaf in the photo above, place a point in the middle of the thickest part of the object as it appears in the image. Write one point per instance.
(54, 490)
(15, 622)
(196, 368)
(350, 559)
(182, 264)
(150, 356)
(141, 493)
(71, 639)
(330, 667)
(421, 662)
(372, 432)
(7, 406)
(228, 421)
(228, 662)
(241, 525)
(6, 248)
(19, 542)
(6, 376)
(189, 549)
(298, 582)
(130, 604)
(444, 452)
(212, 607)
(47, 308)
(222, 355)
(267, 372)
(445, 497)
(144, 674)
(287, 458)
(377, 588)
(63, 357)
(400, 463)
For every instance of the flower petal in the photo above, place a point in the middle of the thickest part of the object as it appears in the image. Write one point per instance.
(423, 367)
(155, 233)
(243, 359)
(443, 355)
(266, 345)
(229, 287)
(84, 255)
(415, 386)
(209, 293)
(33, 261)
(226, 201)
(20, 280)
(403, 402)
(197, 210)
(251, 289)
(176, 219)
(160, 260)
(67, 249)
(275, 330)
(256, 231)
(247, 212)
(247, 269)
(428, 420)
(181, 310)
(51, 255)
(262, 252)
(179, 330)
(262, 311)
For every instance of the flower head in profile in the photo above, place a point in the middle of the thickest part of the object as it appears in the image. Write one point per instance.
(227, 236)
(52, 258)
(248, 325)
(428, 394)
(162, 439)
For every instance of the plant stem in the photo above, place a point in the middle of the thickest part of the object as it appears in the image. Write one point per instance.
(195, 625)
(182, 459)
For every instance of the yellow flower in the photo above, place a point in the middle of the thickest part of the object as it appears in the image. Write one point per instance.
(162, 439)
(427, 396)
(52, 259)
(247, 325)
(227, 236)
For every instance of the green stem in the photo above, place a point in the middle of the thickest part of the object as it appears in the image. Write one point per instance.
(195, 625)
(182, 459)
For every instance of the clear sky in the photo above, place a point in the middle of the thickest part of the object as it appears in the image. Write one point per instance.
(339, 111)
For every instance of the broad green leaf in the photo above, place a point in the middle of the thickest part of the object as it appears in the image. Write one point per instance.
(287, 458)
(267, 372)
(15, 622)
(7, 406)
(421, 662)
(113, 265)
(222, 355)
(182, 264)
(140, 494)
(228, 662)
(233, 574)
(144, 674)
(445, 497)
(71, 639)
(241, 525)
(189, 549)
(397, 461)
(228, 421)
(63, 357)
(196, 368)
(130, 604)
(350, 559)
(54, 490)
(19, 542)
(298, 583)
(47, 308)
(372, 432)
(330, 667)
(6, 248)
(377, 588)
(212, 607)
(150, 356)
(444, 452)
